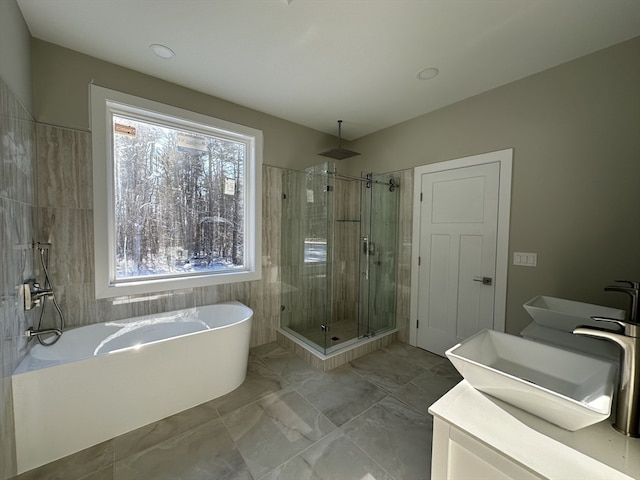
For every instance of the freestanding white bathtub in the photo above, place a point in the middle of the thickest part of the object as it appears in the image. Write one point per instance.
(106, 379)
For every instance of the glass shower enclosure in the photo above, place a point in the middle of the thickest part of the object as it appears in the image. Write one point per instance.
(339, 246)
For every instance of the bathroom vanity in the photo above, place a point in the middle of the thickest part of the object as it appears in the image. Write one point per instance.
(478, 436)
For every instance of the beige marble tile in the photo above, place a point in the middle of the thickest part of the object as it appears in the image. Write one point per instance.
(271, 215)
(17, 169)
(70, 232)
(119, 308)
(10, 105)
(403, 260)
(77, 304)
(17, 204)
(64, 168)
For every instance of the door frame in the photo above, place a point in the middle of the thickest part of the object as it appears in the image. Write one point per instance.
(505, 159)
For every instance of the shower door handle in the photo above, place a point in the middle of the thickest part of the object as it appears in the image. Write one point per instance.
(365, 245)
(484, 280)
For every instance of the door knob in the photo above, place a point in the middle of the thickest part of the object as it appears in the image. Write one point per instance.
(484, 280)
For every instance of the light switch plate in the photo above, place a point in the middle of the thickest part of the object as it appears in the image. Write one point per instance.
(525, 259)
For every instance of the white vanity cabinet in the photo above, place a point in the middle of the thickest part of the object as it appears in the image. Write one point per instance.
(457, 455)
(478, 437)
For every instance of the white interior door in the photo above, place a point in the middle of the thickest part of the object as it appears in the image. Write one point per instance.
(457, 246)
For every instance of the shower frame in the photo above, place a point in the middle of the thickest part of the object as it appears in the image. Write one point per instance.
(338, 282)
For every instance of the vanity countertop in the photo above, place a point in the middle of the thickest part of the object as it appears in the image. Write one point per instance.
(594, 452)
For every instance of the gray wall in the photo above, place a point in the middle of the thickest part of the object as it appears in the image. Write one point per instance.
(15, 57)
(61, 80)
(17, 207)
(575, 131)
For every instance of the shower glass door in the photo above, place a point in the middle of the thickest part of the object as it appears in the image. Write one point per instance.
(378, 247)
(307, 228)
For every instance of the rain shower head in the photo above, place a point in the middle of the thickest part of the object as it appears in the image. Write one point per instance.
(339, 153)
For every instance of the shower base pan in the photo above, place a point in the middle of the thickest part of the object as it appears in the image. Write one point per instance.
(347, 352)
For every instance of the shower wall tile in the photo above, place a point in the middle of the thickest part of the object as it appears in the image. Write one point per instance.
(271, 215)
(119, 308)
(76, 303)
(17, 168)
(64, 168)
(346, 267)
(211, 294)
(70, 232)
(10, 105)
(405, 228)
(17, 203)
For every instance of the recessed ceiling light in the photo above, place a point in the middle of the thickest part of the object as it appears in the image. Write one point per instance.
(162, 51)
(427, 73)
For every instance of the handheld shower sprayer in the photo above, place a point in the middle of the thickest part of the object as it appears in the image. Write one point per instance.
(36, 295)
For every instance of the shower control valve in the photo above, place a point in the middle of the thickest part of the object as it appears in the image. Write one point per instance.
(33, 293)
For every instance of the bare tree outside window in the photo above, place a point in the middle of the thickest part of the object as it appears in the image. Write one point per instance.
(179, 200)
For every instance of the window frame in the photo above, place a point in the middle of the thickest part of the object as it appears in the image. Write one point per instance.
(103, 104)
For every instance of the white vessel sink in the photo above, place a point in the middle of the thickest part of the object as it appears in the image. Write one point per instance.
(565, 315)
(568, 389)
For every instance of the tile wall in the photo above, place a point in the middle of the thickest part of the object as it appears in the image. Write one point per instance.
(65, 218)
(17, 207)
(346, 267)
(403, 270)
(46, 196)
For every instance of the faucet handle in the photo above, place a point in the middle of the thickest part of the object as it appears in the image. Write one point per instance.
(631, 283)
(629, 329)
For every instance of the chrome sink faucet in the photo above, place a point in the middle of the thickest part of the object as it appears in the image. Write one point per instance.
(632, 289)
(627, 419)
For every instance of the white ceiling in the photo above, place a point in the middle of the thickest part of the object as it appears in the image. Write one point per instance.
(316, 61)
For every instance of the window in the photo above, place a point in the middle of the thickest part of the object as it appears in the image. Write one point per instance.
(177, 197)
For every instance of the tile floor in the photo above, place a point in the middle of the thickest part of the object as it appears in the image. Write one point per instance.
(366, 420)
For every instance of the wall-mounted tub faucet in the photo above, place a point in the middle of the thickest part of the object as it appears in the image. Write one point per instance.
(628, 394)
(33, 333)
(632, 289)
(33, 293)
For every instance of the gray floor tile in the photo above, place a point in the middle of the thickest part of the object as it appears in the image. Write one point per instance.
(446, 369)
(424, 390)
(386, 370)
(367, 420)
(79, 465)
(275, 428)
(104, 474)
(398, 437)
(289, 366)
(206, 452)
(261, 381)
(340, 394)
(416, 355)
(154, 433)
(335, 457)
